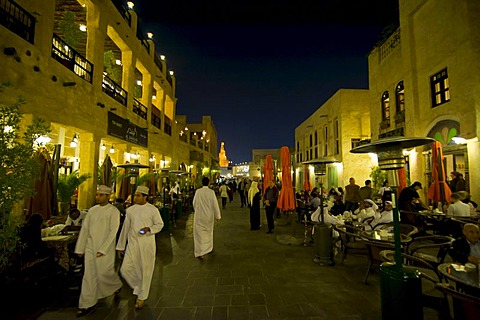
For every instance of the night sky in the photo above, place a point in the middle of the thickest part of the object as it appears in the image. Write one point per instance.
(260, 68)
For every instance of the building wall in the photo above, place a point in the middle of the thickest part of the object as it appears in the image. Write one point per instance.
(434, 35)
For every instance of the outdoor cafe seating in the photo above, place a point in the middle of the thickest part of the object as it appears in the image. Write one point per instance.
(432, 249)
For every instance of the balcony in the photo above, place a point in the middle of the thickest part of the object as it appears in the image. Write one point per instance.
(400, 118)
(71, 59)
(114, 90)
(141, 37)
(158, 61)
(140, 109)
(385, 124)
(123, 11)
(183, 138)
(18, 20)
(169, 79)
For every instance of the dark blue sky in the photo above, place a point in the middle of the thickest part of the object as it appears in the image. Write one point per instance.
(260, 70)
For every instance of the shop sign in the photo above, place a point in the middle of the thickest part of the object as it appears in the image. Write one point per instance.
(123, 129)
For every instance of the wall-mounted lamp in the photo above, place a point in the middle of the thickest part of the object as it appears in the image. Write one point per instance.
(118, 62)
(149, 35)
(139, 82)
(154, 97)
(83, 28)
(204, 132)
(112, 150)
(130, 5)
(186, 128)
(103, 147)
(162, 57)
(73, 144)
(171, 72)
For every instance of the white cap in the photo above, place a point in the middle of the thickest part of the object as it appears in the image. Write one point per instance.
(104, 189)
(142, 189)
(388, 202)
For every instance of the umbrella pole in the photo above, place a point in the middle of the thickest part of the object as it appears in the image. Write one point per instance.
(441, 178)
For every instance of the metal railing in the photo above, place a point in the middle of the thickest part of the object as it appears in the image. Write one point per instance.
(71, 59)
(114, 90)
(18, 20)
(158, 61)
(139, 109)
(169, 79)
(141, 37)
(123, 11)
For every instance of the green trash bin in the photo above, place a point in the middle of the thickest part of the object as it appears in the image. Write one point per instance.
(165, 214)
(179, 210)
(401, 293)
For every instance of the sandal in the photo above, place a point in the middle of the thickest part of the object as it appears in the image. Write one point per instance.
(139, 304)
(84, 312)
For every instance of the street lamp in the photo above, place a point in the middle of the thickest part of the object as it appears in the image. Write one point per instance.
(398, 287)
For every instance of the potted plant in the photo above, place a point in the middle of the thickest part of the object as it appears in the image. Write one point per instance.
(385, 124)
(400, 117)
(66, 186)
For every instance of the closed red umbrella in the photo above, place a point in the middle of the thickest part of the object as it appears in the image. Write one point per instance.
(286, 199)
(439, 191)
(267, 172)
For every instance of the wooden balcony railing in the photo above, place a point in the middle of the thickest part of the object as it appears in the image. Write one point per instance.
(140, 109)
(71, 59)
(18, 20)
(114, 90)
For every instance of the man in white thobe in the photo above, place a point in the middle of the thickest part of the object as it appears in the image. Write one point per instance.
(96, 242)
(386, 216)
(141, 223)
(205, 206)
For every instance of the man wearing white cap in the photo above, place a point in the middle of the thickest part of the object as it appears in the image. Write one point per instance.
(386, 216)
(96, 242)
(141, 224)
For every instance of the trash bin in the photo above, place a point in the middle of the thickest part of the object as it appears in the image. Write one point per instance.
(165, 214)
(322, 238)
(178, 209)
(401, 293)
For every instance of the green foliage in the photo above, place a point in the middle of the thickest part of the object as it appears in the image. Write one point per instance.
(17, 170)
(68, 183)
(378, 177)
(113, 70)
(142, 179)
(70, 30)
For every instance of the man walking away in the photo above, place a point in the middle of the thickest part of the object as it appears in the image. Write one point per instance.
(141, 224)
(205, 206)
(366, 192)
(352, 196)
(96, 242)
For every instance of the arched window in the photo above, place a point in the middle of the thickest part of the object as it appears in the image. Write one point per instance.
(400, 97)
(385, 106)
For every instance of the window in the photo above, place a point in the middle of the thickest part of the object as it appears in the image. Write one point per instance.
(355, 142)
(336, 136)
(385, 106)
(325, 141)
(316, 153)
(311, 139)
(400, 97)
(316, 138)
(440, 88)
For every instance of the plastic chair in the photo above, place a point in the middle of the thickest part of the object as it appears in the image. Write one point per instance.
(432, 249)
(464, 306)
(406, 229)
(350, 239)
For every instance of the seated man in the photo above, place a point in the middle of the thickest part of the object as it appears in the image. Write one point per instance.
(386, 216)
(74, 220)
(457, 208)
(367, 210)
(467, 248)
(314, 202)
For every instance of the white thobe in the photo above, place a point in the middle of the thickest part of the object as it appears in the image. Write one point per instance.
(139, 261)
(206, 209)
(459, 209)
(97, 234)
(384, 217)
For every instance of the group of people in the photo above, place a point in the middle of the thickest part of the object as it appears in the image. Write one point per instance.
(136, 243)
